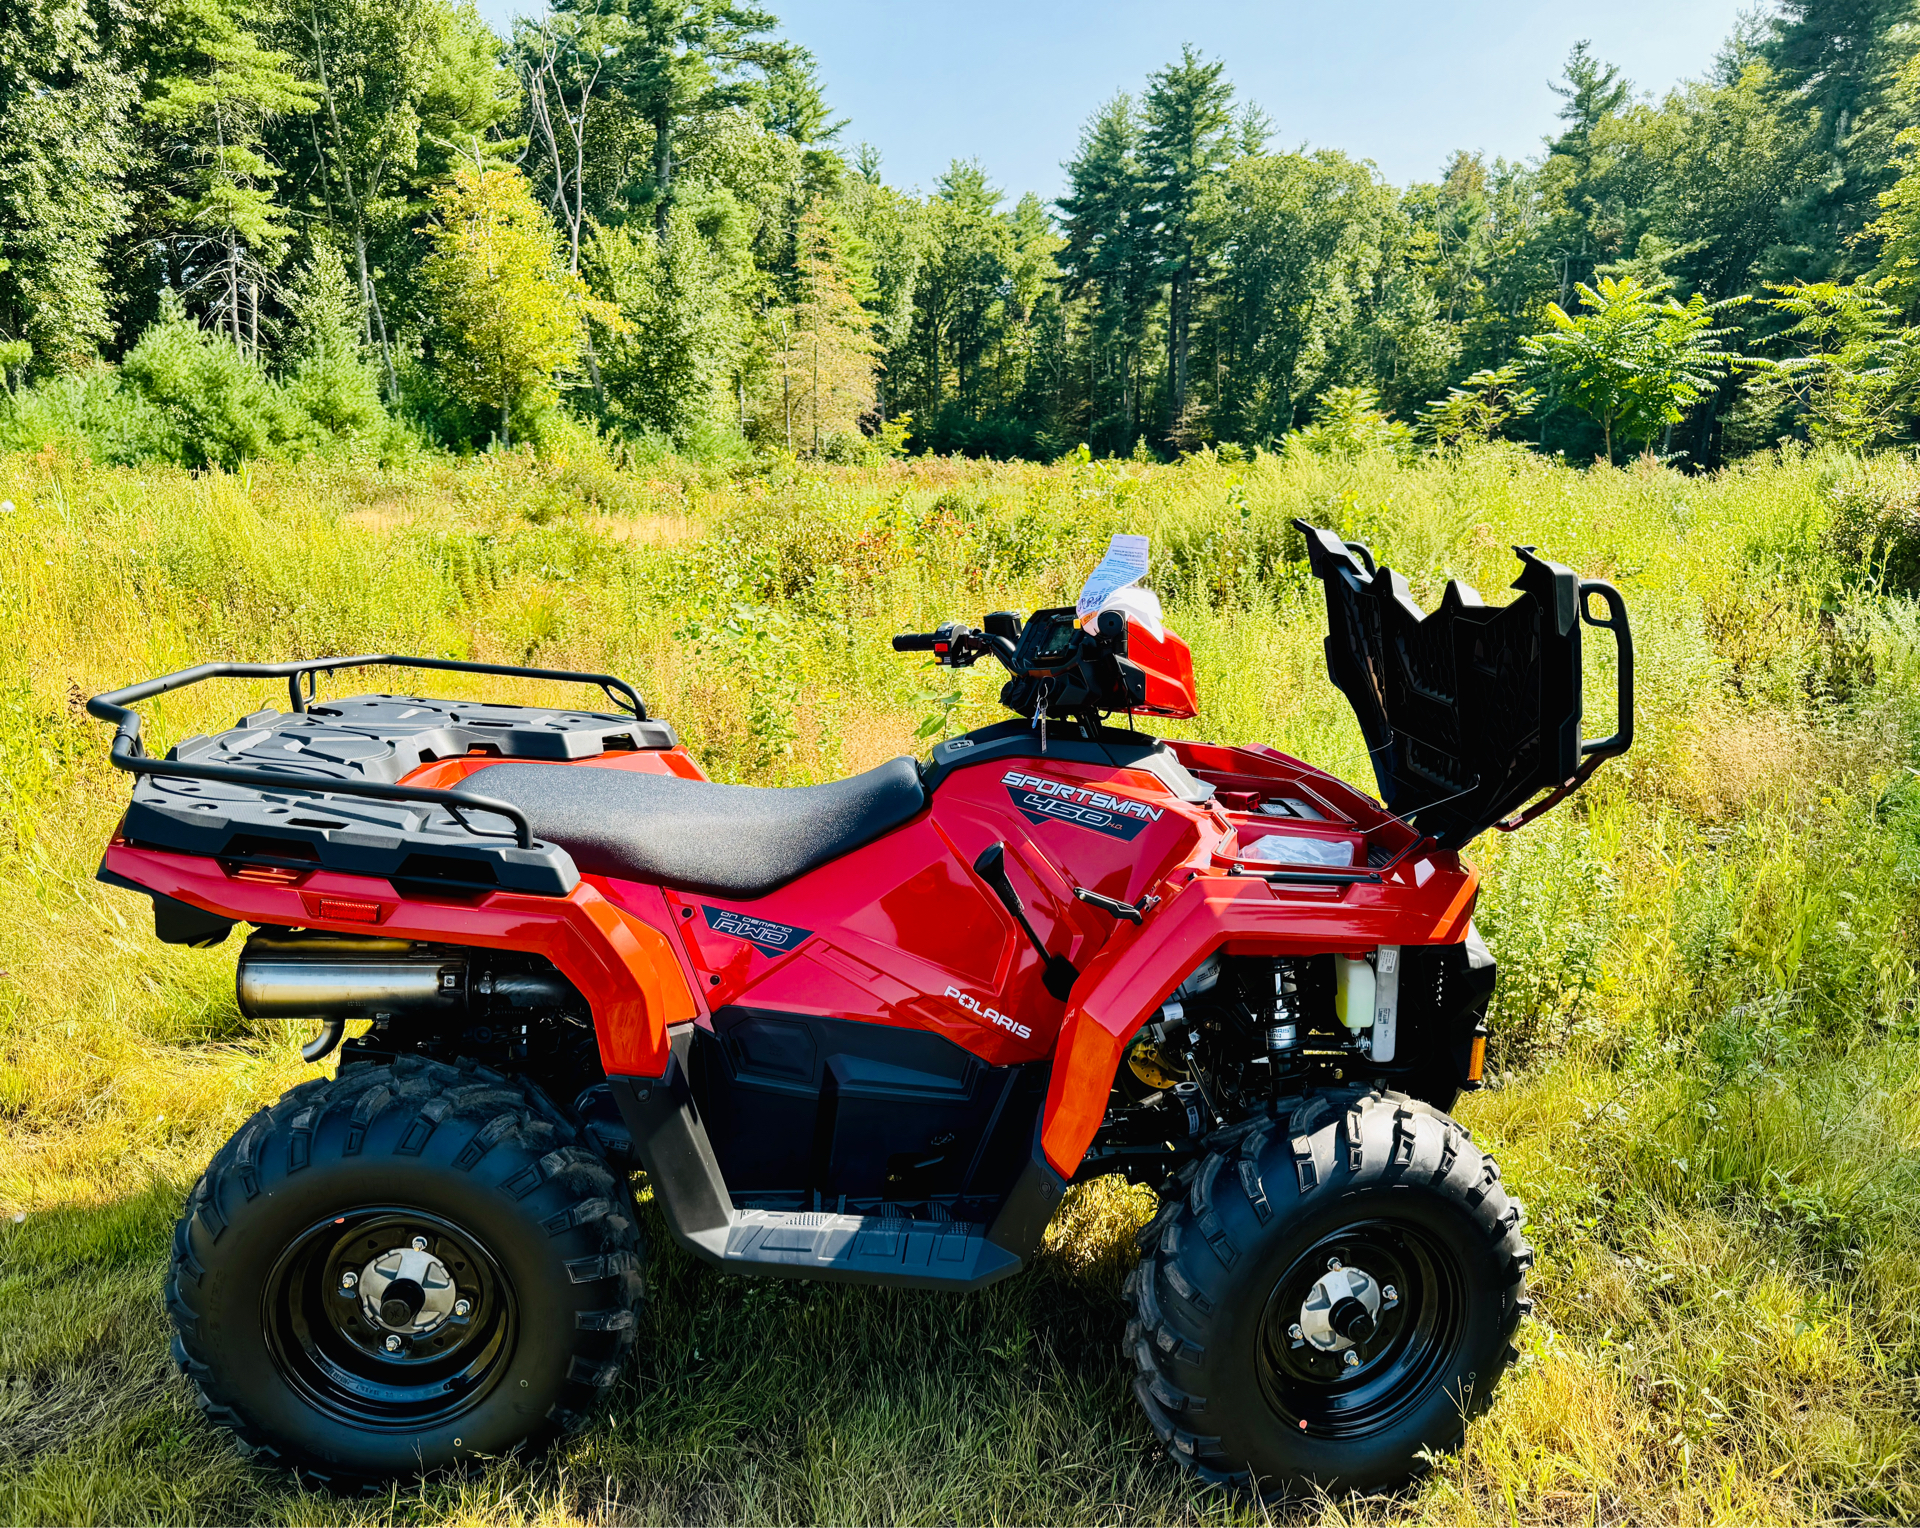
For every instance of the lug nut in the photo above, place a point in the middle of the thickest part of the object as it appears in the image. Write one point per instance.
(1296, 1334)
(1389, 1295)
(419, 1244)
(1352, 1359)
(349, 1279)
(463, 1307)
(393, 1344)
(1333, 1265)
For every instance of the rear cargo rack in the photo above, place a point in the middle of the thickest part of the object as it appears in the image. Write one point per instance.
(300, 780)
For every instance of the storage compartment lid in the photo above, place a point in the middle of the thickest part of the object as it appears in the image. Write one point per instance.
(1468, 712)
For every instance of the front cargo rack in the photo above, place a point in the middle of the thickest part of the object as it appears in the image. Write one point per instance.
(268, 791)
(1470, 711)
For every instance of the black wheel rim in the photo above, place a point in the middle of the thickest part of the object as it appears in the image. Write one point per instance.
(1413, 1349)
(336, 1353)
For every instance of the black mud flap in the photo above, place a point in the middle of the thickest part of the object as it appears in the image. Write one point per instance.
(174, 921)
(1473, 710)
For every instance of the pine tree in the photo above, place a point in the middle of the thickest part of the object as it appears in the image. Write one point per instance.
(1586, 216)
(820, 381)
(686, 322)
(1835, 63)
(329, 379)
(669, 61)
(213, 108)
(1188, 120)
(1108, 260)
(64, 144)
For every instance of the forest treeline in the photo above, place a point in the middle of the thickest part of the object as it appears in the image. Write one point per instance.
(239, 228)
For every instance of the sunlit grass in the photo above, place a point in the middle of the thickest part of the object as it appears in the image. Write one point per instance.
(1707, 1064)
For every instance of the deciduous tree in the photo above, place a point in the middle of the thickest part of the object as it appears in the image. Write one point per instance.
(511, 314)
(65, 99)
(1632, 360)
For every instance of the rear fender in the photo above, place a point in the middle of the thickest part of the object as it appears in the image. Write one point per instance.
(625, 968)
(1141, 965)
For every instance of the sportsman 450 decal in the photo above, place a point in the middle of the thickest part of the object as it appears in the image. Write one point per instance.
(1040, 799)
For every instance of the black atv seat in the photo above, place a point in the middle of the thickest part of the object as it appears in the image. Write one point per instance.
(727, 840)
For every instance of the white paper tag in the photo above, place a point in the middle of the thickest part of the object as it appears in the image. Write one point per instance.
(1386, 1000)
(1125, 563)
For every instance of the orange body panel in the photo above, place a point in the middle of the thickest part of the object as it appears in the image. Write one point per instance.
(623, 967)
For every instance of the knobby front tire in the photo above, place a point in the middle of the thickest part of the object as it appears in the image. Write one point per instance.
(1335, 1291)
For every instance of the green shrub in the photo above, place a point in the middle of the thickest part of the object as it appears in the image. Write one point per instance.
(1876, 524)
(220, 409)
(90, 411)
(186, 395)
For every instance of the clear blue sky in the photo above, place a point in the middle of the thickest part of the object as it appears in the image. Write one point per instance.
(1010, 82)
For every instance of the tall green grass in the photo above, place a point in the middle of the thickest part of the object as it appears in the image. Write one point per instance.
(1705, 1065)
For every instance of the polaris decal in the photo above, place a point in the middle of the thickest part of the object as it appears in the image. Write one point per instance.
(992, 1015)
(763, 933)
(1039, 799)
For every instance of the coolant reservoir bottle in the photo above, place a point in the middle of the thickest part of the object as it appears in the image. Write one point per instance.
(1353, 991)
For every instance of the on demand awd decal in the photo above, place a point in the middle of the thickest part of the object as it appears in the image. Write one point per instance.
(1040, 799)
(774, 938)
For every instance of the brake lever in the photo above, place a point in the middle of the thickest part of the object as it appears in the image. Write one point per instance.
(1133, 912)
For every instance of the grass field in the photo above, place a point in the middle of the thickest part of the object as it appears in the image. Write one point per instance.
(1706, 1062)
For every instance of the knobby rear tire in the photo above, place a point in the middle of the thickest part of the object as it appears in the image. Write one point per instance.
(540, 1229)
(1383, 1182)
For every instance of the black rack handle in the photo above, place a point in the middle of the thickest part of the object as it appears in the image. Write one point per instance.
(265, 779)
(115, 705)
(1616, 622)
(1594, 751)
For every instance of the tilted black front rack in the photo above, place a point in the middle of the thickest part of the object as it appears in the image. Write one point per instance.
(129, 754)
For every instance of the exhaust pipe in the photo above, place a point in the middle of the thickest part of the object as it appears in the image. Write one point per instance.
(335, 977)
(285, 974)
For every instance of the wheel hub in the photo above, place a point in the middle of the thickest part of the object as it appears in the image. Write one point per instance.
(407, 1290)
(1342, 1310)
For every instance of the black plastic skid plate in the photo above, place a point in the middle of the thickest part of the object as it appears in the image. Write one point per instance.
(379, 738)
(1468, 712)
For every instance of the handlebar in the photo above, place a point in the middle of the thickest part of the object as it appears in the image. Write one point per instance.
(957, 646)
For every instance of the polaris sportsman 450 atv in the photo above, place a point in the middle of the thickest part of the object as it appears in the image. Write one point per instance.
(867, 1031)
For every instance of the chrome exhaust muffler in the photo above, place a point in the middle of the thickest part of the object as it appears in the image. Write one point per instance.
(337, 977)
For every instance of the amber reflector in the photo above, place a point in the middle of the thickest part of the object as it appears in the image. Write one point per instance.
(268, 875)
(1477, 1059)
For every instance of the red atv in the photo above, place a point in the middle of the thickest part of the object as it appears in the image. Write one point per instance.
(867, 1031)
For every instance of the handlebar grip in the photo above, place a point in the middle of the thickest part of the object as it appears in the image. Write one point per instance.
(914, 642)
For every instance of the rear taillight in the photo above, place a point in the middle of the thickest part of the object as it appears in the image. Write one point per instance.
(346, 909)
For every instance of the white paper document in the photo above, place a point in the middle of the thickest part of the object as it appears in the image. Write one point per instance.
(1125, 563)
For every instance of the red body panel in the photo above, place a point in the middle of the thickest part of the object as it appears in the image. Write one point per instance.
(902, 932)
(1167, 662)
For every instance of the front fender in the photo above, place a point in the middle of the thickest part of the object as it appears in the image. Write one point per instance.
(1140, 965)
